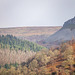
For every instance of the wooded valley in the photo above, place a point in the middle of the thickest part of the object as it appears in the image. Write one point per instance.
(55, 61)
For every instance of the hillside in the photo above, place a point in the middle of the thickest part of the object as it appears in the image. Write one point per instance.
(21, 57)
(13, 43)
(14, 50)
(70, 24)
(58, 61)
(33, 34)
(67, 32)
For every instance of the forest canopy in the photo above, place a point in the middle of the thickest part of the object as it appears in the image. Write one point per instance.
(13, 43)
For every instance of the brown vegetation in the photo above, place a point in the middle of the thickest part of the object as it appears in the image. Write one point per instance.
(11, 56)
(58, 61)
(29, 31)
(33, 34)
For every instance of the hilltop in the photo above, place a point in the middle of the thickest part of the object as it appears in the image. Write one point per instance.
(66, 33)
(70, 24)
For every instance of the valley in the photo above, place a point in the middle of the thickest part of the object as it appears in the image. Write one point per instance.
(38, 50)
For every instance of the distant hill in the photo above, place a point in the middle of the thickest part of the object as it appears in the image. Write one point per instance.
(67, 32)
(33, 34)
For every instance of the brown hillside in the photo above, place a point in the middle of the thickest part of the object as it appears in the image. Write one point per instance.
(33, 34)
(29, 31)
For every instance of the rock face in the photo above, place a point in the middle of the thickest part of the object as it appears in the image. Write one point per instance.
(69, 24)
(67, 32)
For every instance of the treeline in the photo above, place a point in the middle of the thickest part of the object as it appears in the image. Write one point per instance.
(13, 43)
(58, 61)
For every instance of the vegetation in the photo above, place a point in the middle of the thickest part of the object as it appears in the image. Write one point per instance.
(58, 61)
(14, 50)
(12, 43)
(7, 56)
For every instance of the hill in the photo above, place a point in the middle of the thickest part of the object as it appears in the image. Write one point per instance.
(70, 24)
(14, 50)
(58, 61)
(13, 43)
(33, 34)
(67, 32)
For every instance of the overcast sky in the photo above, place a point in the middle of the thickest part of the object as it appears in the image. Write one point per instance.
(16, 13)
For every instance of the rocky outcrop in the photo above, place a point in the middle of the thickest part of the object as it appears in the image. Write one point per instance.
(69, 24)
(67, 32)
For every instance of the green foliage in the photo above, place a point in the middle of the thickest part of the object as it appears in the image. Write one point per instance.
(0, 66)
(45, 62)
(15, 65)
(11, 42)
(6, 66)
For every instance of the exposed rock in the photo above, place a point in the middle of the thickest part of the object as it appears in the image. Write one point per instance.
(69, 24)
(67, 32)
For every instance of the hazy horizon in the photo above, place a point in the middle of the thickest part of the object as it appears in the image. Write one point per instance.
(23, 13)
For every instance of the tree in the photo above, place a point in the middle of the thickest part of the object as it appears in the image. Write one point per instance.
(6, 66)
(33, 65)
(68, 51)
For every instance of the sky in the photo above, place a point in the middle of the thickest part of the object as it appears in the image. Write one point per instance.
(18, 13)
